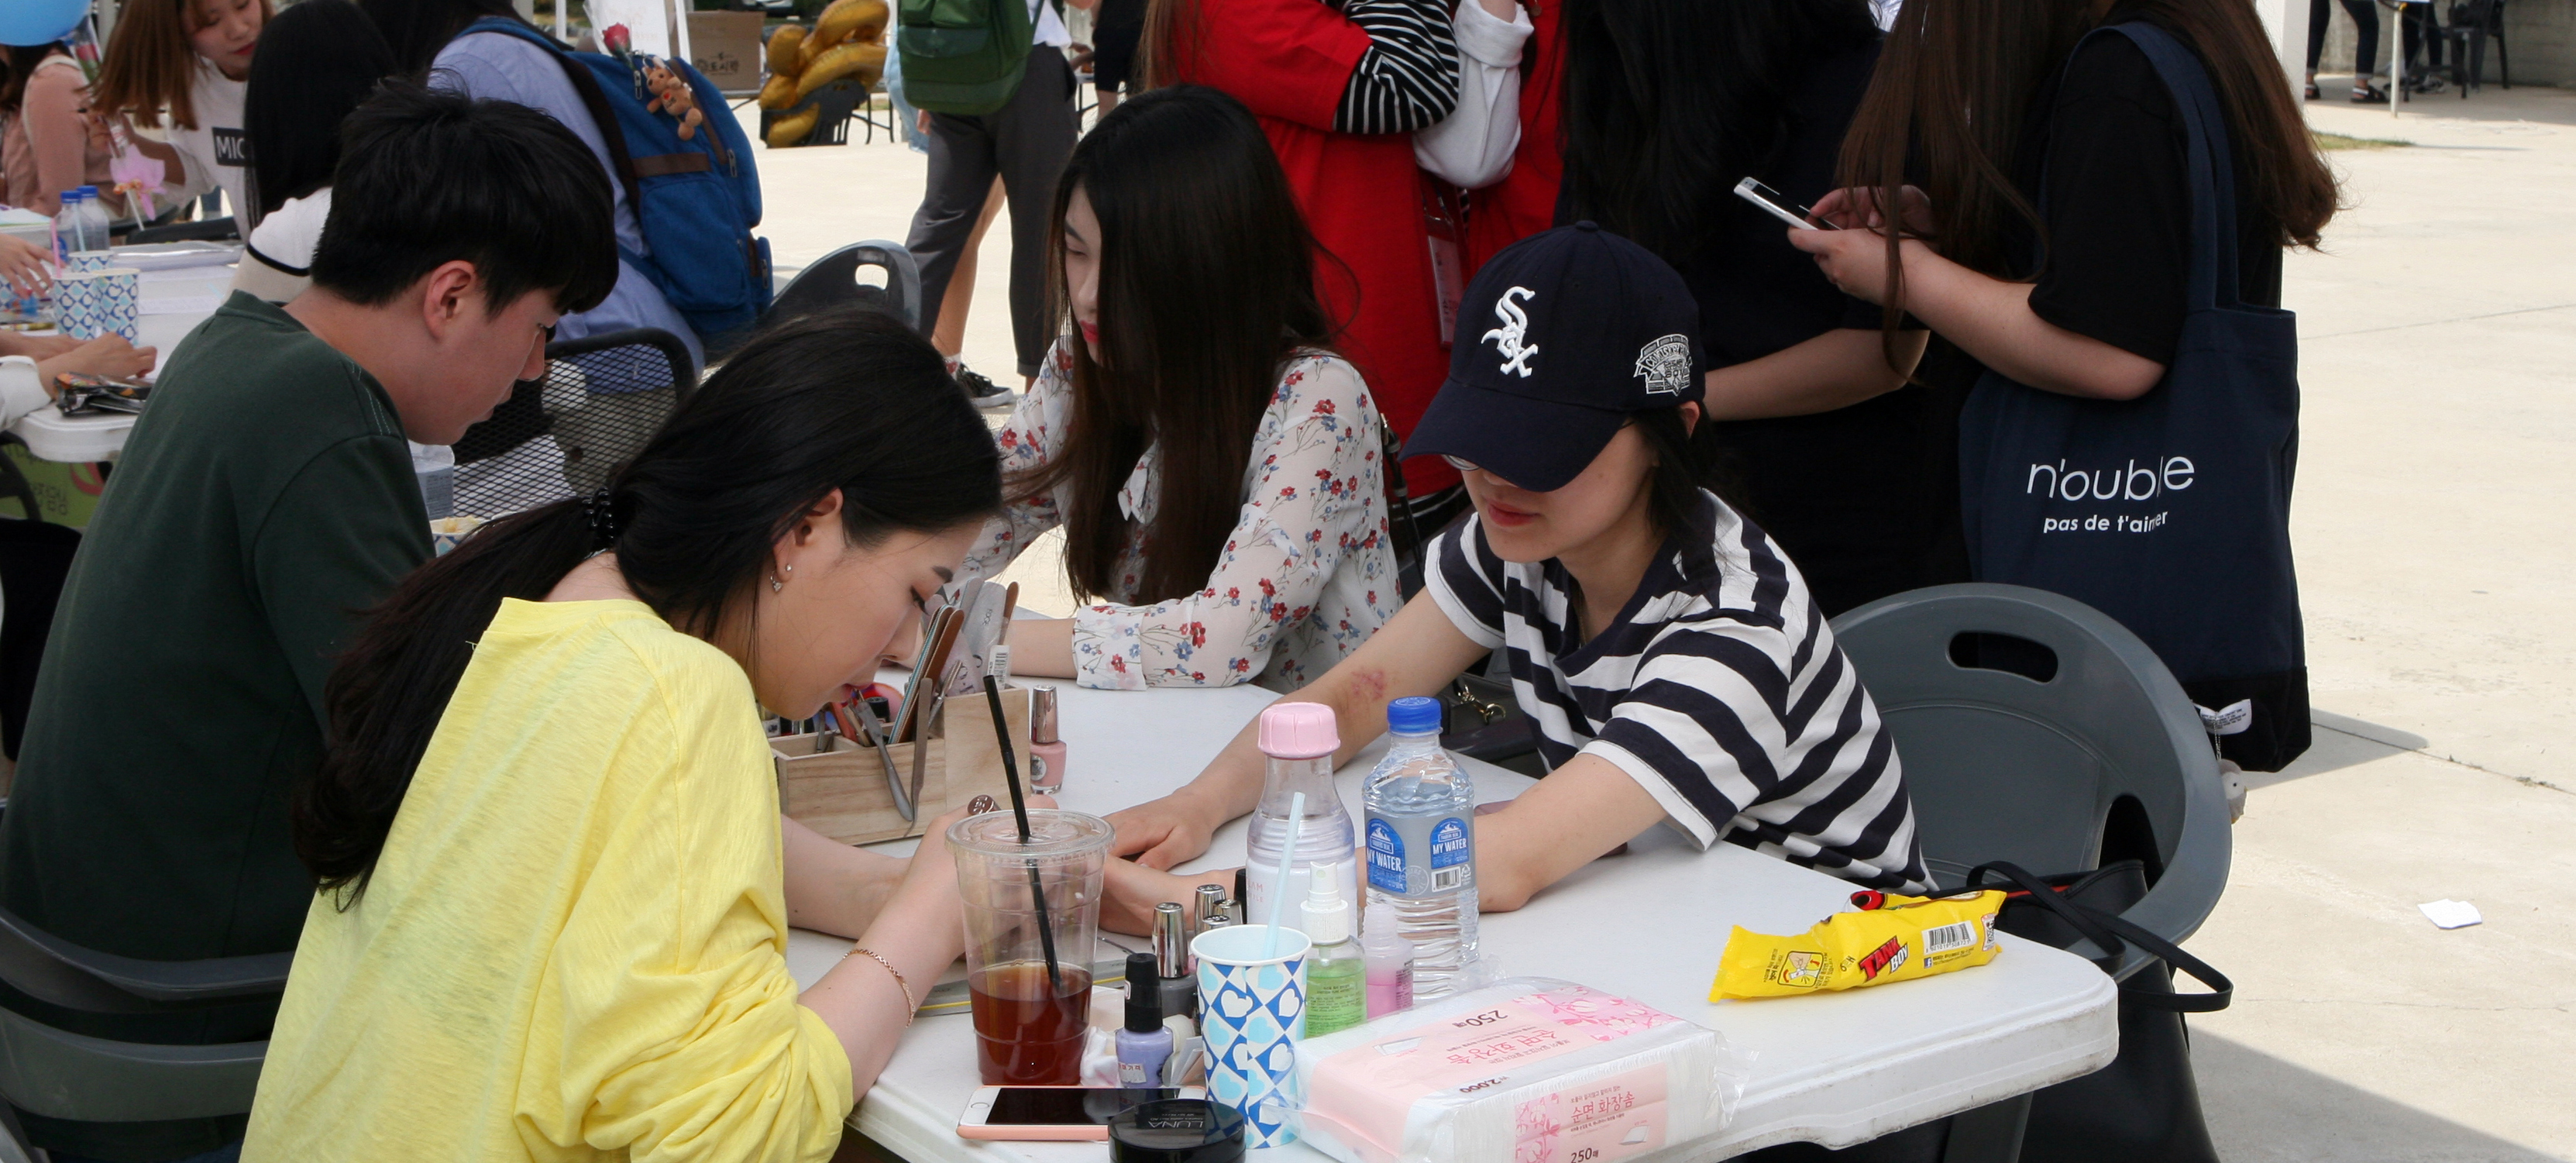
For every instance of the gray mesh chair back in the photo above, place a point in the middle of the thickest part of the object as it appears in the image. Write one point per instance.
(2030, 726)
(833, 280)
(64, 1075)
(603, 397)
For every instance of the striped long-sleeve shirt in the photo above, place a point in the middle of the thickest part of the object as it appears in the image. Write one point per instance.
(1408, 79)
(1718, 688)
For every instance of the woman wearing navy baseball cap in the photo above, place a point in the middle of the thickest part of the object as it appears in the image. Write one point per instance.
(1669, 655)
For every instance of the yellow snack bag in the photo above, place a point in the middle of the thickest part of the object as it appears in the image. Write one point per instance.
(1900, 938)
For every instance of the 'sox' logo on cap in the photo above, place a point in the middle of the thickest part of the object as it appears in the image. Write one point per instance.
(1507, 338)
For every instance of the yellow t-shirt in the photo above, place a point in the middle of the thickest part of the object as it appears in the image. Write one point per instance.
(574, 943)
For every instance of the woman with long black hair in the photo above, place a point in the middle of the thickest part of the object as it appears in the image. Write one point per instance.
(317, 61)
(553, 886)
(1667, 104)
(1216, 466)
(2025, 190)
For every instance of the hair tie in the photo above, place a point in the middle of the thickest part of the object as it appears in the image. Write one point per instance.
(602, 511)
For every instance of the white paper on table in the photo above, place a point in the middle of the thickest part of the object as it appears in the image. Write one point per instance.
(180, 305)
(2451, 914)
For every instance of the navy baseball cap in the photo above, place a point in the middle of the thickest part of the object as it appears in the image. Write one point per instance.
(1560, 337)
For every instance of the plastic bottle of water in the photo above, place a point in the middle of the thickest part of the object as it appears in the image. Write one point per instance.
(68, 229)
(95, 222)
(1422, 848)
(1299, 740)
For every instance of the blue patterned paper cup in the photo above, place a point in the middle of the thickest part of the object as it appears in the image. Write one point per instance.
(120, 302)
(91, 260)
(80, 305)
(1252, 1011)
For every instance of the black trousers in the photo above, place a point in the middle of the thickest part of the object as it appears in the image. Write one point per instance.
(1026, 144)
(2365, 20)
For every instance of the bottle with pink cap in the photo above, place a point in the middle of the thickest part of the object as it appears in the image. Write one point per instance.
(1299, 740)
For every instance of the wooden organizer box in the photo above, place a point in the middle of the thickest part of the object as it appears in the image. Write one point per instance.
(842, 793)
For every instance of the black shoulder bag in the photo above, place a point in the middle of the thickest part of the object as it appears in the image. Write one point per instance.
(2144, 1107)
(2169, 512)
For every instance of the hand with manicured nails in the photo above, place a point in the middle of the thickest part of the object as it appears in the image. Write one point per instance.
(1161, 833)
(22, 264)
(107, 355)
(1856, 207)
(1854, 258)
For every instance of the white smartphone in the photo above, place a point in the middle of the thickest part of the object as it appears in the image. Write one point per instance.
(1778, 205)
(1055, 1113)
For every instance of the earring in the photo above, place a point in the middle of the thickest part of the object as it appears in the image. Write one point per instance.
(776, 585)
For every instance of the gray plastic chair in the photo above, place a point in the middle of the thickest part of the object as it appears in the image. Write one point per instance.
(833, 280)
(2008, 766)
(63, 1075)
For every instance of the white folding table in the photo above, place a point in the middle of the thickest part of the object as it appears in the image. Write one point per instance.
(174, 301)
(1835, 1069)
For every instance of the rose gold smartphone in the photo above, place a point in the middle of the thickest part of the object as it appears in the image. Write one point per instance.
(1055, 1113)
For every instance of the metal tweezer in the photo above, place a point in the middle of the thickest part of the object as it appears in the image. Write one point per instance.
(877, 733)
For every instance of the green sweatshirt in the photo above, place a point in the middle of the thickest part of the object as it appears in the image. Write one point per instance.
(266, 495)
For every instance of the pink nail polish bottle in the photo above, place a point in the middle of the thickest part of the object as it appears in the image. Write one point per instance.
(1046, 747)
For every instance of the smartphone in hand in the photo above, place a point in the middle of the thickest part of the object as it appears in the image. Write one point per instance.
(1778, 205)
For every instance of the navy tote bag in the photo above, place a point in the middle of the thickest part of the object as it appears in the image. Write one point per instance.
(2169, 512)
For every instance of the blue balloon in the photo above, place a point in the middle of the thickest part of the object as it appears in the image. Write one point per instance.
(39, 21)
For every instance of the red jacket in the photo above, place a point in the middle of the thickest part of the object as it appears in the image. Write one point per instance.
(1289, 61)
(1524, 202)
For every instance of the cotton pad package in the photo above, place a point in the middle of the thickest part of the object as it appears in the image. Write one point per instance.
(1528, 1069)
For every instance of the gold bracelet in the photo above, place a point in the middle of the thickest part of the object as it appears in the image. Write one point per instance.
(909, 1006)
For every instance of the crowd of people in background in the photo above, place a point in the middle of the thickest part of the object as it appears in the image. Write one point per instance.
(1362, 345)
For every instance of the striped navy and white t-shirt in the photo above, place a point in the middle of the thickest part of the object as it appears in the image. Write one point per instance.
(1408, 78)
(1718, 688)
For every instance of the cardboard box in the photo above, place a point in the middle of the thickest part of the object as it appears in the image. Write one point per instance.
(726, 47)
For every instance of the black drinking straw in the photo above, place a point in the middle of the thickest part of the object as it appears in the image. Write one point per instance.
(1020, 808)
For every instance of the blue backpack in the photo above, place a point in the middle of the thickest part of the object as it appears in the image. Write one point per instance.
(695, 200)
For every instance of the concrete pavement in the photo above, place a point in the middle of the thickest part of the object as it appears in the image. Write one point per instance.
(2436, 486)
(2436, 490)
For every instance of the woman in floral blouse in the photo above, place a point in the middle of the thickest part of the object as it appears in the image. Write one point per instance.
(1217, 469)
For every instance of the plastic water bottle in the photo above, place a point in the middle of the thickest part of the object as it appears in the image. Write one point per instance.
(68, 229)
(1299, 740)
(96, 225)
(1422, 848)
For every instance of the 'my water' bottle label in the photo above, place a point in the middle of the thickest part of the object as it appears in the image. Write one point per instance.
(1449, 842)
(1386, 857)
(1450, 850)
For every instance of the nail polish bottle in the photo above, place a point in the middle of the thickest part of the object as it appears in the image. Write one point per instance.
(1143, 1044)
(1046, 746)
(1389, 964)
(1211, 903)
(1171, 957)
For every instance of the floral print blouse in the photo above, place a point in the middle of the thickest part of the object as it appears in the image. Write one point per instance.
(1306, 576)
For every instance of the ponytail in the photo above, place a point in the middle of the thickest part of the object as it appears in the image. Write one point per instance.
(1688, 460)
(848, 400)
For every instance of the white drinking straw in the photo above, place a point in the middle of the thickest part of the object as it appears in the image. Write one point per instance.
(1279, 888)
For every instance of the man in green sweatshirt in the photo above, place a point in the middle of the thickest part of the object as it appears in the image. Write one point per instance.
(265, 497)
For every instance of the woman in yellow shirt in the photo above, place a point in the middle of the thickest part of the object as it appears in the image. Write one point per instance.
(553, 891)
